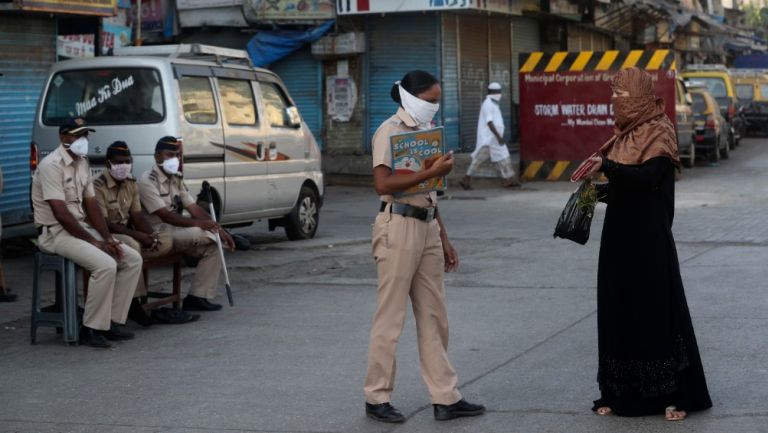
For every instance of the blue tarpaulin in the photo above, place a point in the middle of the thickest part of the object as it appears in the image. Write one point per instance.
(751, 61)
(270, 46)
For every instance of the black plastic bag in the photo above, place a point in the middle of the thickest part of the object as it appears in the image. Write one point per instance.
(576, 218)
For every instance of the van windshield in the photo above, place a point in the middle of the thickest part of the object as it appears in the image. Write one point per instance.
(105, 96)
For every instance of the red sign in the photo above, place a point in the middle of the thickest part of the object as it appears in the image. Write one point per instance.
(567, 116)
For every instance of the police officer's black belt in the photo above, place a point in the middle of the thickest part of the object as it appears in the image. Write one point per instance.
(406, 210)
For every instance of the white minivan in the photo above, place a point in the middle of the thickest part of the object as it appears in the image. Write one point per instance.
(241, 130)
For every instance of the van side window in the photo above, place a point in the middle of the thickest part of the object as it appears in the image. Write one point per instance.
(197, 100)
(275, 104)
(237, 101)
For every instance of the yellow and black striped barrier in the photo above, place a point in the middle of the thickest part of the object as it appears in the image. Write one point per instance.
(561, 61)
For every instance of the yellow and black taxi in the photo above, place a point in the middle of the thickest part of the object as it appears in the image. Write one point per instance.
(719, 83)
(752, 94)
(710, 127)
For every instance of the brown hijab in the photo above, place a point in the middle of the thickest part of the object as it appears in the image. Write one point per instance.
(642, 129)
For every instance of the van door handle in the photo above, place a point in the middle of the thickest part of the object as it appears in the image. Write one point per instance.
(272, 151)
(260, 151)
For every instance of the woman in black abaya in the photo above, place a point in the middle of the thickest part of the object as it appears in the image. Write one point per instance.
(648, 357)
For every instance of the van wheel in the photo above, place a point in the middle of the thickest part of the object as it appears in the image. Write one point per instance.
(302, 222)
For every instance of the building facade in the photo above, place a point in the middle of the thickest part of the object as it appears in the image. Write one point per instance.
(34, 34)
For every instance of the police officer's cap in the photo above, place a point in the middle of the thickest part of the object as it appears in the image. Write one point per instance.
(118, 148)
(167, 143)
(74, 126)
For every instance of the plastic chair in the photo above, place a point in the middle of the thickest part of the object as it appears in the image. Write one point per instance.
(66, 297)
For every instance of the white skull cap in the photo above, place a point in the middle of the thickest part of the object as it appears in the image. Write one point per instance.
(494, 86)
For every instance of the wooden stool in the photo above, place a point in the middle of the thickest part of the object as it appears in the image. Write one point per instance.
(163, 298)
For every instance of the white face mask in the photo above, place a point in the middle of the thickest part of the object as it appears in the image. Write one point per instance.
(496, 97)
(171, 166)
(420, 110)
(120, 171)
(79, 147)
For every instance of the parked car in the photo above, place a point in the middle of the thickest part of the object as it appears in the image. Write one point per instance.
(718, 81)
(710, 127)
(684, 123)
(241, 130)
(752, 93)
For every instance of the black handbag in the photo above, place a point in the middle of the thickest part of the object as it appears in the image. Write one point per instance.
(575, 220)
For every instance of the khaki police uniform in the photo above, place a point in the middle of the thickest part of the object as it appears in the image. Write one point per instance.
(410, 263)
(117, 201)
(158, 190)
(112, 283)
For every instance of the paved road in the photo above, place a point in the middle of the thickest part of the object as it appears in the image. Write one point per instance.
(290, 357)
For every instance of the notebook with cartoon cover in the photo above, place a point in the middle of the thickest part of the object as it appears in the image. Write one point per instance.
(416, 151)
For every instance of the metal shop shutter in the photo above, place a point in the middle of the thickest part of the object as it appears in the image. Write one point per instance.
(450, 80)
(473, 54)
(27, 50)
(397, 44)
(525, 39)
(303, 76)
(501, 65)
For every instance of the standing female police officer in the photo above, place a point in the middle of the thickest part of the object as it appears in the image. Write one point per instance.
(411, 249)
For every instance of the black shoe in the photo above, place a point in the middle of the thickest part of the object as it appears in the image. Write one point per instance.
(173, 316)
(383, 412)
(193, 303)
(461, 408)
(117, 334)
(93, 338)
(138, 315)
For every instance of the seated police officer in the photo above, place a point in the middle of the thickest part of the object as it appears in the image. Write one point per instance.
(118, 197)
(160, 188)
(62, 198)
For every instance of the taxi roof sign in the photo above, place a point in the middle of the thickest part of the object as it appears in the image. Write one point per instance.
(706, 67)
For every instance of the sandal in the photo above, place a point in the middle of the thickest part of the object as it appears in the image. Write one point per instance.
(604, 411)
(672, 414)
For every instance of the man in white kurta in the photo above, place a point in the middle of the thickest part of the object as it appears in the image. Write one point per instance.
(490, 141)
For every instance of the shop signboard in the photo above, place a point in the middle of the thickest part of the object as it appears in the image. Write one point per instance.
(354, 7)
(565, 8)
(183, 5)
(104, 8)
(82, 46)
(153, 13)
(295, 10)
